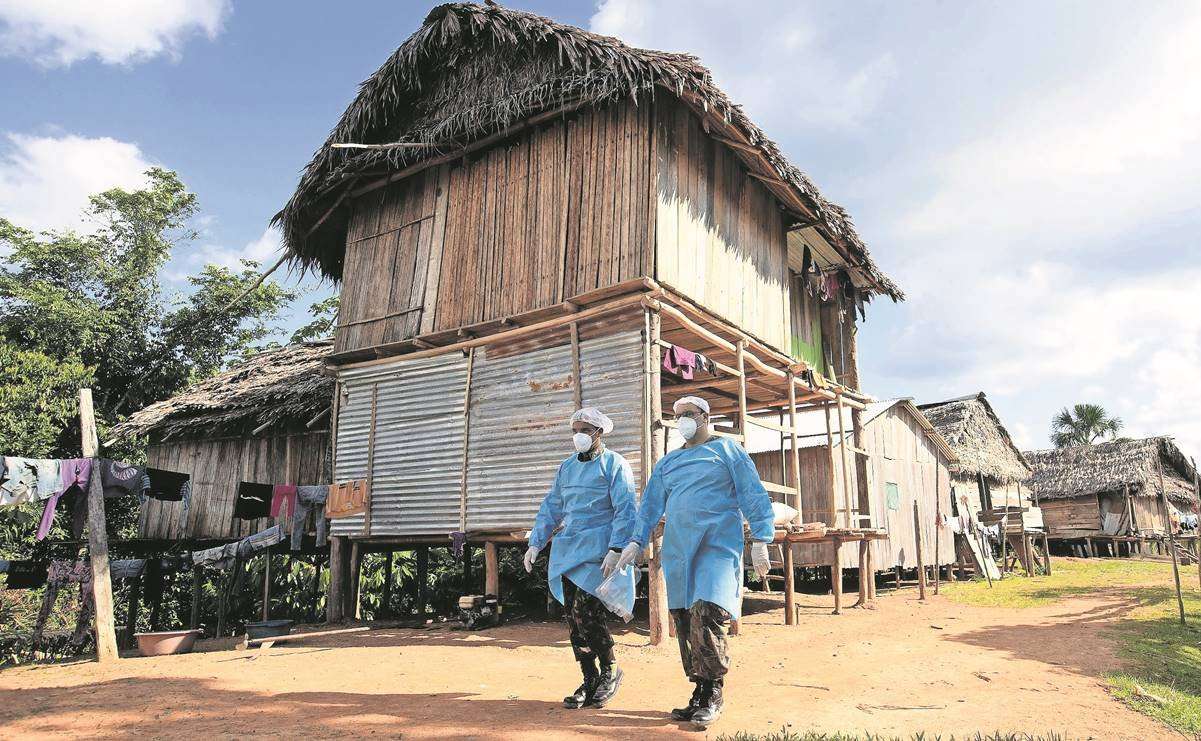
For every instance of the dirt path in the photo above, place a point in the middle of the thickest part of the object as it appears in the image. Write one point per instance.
(903, 667)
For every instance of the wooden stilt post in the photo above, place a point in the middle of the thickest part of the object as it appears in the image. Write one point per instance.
(467, 568)
(102, 586)
(131, 610)
(655, 443)
(795, 480)
(339, 562)
(316, 589)
(937, 523)
(385, 605)
(871, 573)
(1197, 493)
(836, 575)
(864, 577)
(491, 568)
(833, 493)
(897, 573)
(739, 353)
(921, 565)
(1163, 498)
(267, 586)
(354, 593)
(423, 577)
(789, 587)
(197, 580)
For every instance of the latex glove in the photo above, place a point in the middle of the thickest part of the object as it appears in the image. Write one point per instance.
(609, 565)
(628, 555)
(531, 554)
(759, 559)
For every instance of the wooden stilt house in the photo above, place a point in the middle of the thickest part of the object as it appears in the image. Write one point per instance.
(264, 420)
(990, 480)
(524, 216)
(1110, 492)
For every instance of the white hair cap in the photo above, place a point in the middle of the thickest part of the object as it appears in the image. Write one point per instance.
(694, 400)
(594, 417)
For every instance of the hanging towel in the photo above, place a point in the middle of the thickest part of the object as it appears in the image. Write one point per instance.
(346, 499)
(20, 481)
(254, 500)
(283, 498)
(680, 362)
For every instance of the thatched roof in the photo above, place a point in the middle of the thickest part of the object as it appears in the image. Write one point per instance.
(978, 438)
(473, 70)
(1083, 470)
(277, 388)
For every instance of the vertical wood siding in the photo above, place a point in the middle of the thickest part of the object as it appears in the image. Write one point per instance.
(552, 213)
(719, 234)
(216, 468)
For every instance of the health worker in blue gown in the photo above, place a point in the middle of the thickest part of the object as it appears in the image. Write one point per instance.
(706, 489)
(589, 511)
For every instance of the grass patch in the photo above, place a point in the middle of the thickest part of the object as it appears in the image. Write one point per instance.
(786, 735)
(1161, 676)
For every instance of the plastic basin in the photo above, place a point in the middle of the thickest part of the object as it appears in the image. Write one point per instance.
(166, 642)
(268, 629)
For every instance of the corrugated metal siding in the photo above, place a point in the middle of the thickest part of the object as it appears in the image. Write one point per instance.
(519, 435)
(418, 444)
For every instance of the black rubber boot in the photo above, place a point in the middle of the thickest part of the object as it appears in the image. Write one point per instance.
(606, 686)
(583, 693)
(710, 706)
(694, 702)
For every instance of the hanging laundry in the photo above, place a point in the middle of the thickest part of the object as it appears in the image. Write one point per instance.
(26, 574)
(60, 574)
(219, 557)
(283, 499)
(121, 479)
(254, 500)
(128, 568)
(346, 499)
(706, 364)
(830, 286)
(309, 499)
(20, 481)
(679, 362)
(73, 477)
(224, 556)
(458, 541)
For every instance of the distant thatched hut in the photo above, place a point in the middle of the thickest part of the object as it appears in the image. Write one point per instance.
(264, 420)
(991, 469)
(1111, 489)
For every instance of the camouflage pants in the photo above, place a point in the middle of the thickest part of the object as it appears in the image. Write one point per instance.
(701, 631)
(587, 618)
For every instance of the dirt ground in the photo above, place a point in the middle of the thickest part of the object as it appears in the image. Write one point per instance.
(902, 667)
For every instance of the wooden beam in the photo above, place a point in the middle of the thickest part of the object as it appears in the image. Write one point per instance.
(491, 568)
(1163, 498)
(577, 391)
(921, 564)
(660, 624)
(102, 586)
(836, 575)
(796, 456)
(466, 438)
(846, 471)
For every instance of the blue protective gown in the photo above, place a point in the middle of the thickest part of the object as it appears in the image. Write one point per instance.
(706, 491)
(594, 502)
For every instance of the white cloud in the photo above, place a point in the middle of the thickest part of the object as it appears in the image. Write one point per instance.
(61, 32)
(264, 250)
(775, 60)
(45, 181)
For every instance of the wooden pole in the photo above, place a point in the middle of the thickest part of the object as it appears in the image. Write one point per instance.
(1197, 494)
(267, 586)
(102, 586)
(466, 442)
(491, 568)
(1163, 498)
(423, 571)
(1047, 553)
(937, 523)
(660, 622)
(131, 610)
(833, 495)
(354, 594)
(335, 600)
(789, 587)
(836, 575)
(743, 425)
(846, 470)
(197, 578)
(795, 480)
(576, 385)
(921, 565)
(864, 577)
(386, 598)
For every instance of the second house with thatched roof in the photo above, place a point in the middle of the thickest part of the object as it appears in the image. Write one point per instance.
(1111, 492)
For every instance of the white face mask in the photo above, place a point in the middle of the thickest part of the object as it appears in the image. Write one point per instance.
(582, 442)
(687, 427)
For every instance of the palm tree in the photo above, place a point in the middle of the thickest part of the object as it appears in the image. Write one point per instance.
(1083, 424)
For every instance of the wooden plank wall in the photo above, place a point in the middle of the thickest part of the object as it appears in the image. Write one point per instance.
(900, 453)
(216, 468)
(719, 234)
(554, 212)
(1149, 515)
(1078, 514)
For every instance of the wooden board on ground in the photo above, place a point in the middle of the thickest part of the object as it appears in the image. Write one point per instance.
(248, 642)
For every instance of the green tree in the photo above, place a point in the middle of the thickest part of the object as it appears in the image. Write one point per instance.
(1083, 424)
(325, 314)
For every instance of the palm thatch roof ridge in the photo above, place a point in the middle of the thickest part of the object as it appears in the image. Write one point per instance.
(974, 431)
(270, 390)
(473, 70)
(1082, 470)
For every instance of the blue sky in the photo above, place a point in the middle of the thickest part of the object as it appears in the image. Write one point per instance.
(1030, 173)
